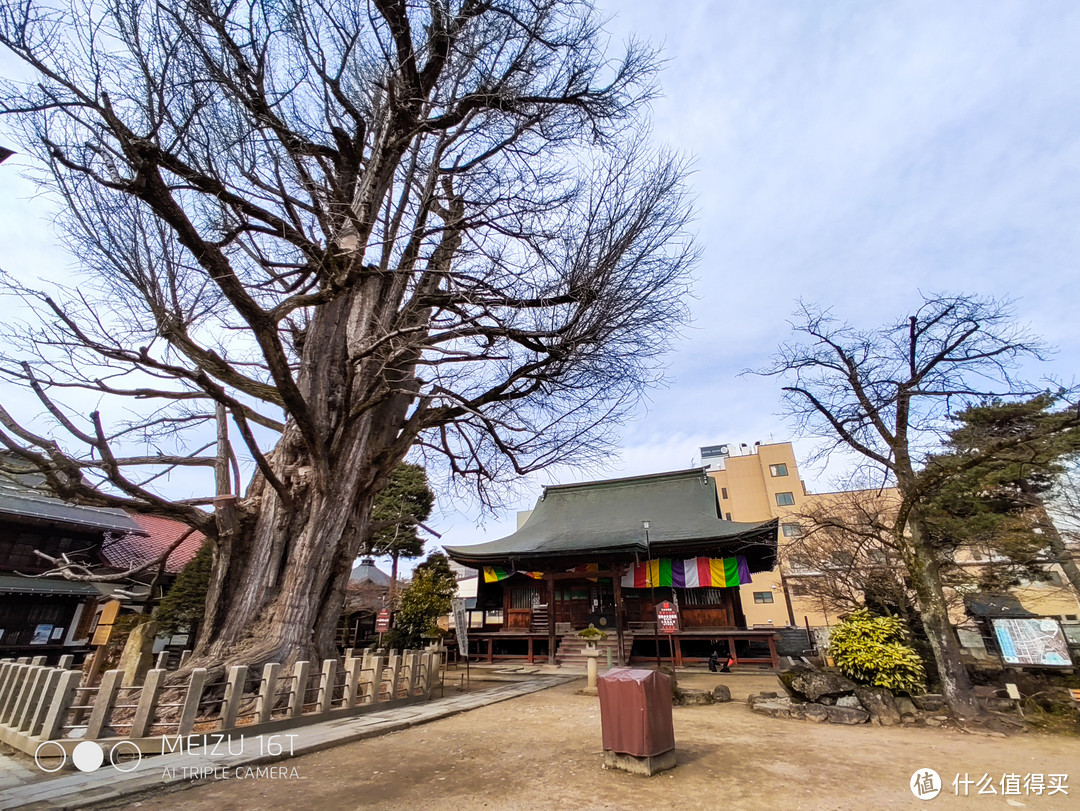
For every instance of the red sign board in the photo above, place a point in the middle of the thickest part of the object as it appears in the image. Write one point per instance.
(667, 617)
(382, 623)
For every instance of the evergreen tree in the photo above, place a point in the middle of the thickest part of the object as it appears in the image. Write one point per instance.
(182, 609)
(400, 509)
(427, 597)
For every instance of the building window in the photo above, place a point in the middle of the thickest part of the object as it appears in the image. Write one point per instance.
(723, 492)
(777, 470)
(785, 500)
(791, 530)
(727, 516)
(763, 597)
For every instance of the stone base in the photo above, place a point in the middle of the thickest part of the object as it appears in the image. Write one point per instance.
(647, 766)
(588, 691)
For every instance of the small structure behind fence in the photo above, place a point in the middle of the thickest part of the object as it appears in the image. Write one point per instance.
(39, 703)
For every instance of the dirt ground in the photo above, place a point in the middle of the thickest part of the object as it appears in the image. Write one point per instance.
(544, 751)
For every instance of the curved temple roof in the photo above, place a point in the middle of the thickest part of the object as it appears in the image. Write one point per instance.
(583, 523)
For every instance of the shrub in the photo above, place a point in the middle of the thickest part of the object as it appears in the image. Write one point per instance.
(873, 650)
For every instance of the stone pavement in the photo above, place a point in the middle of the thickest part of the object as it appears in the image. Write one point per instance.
(83, 789)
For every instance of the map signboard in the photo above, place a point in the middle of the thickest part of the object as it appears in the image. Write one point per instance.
(1035, 642)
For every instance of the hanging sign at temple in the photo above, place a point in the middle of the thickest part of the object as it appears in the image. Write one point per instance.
(667, 617)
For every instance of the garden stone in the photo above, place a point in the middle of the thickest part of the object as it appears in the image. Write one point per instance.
(848, 701)
(813, 684)
(905, 706)
(721, 693)
(687, 697)
(847, 715)
(933, 722)
(816, 713)
(881, 705)
(931, 702)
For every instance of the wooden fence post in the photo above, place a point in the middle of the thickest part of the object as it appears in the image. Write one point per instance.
(11, 691)
(327, 684)
(191, 703)
(37, 718)
(300, 678)
(53, 727)
(31, 696)
(266, 692)
(144, 713)
(234, 694)
(393, 664)
(354, 681)
(99, 715)
(376, 677)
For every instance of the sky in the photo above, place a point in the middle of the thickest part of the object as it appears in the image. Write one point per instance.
(849, 154)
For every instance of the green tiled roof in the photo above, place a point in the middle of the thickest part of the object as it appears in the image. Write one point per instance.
(603, 521)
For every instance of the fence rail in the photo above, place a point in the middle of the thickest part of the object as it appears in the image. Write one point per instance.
(40, 703)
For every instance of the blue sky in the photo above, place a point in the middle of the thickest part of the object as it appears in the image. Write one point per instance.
(846, 153)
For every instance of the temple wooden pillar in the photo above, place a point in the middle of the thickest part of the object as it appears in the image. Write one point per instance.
(551, 617)
(620, 619)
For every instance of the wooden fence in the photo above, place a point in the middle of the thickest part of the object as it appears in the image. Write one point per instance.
(40, 703)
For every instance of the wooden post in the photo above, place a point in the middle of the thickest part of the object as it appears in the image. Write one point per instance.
(99, 715)
(551, 617)
(267, 692)
(772, 652)
(191, 703)
(300, 679)
(355, 679)
(234, 695)
(144, 713)
(376, 677)
(44, 701)
(32, 697)
(327, 684)
(53, 726)
(616, 579)
(13, 691)
(393, 664)
(530, 650)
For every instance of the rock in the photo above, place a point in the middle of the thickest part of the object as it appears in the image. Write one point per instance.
(816, 713)
(803, 681)
(670, 671)
(905, 706)
(137, 657)
(848, 701)
(847, 715)
(827, 700)
(930, 702)
(687, 697)
(721, 693)
(879, 702)
(769, 694)
(774, 707)
(933, 722)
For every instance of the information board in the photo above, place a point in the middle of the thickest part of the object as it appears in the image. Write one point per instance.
(382, 622)
(461, 626)
(1034, 641)
(667, 617)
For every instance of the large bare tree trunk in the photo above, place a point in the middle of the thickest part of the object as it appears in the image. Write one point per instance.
(921, 562)
(283, 572)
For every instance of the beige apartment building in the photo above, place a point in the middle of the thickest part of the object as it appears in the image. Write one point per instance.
(759, 482)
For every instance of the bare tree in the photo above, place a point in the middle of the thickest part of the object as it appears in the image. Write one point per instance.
(887, 394)
(359, 228)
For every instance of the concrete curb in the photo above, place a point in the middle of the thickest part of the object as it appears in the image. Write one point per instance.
(108, 785)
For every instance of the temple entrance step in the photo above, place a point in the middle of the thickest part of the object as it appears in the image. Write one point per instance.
(571, 649)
